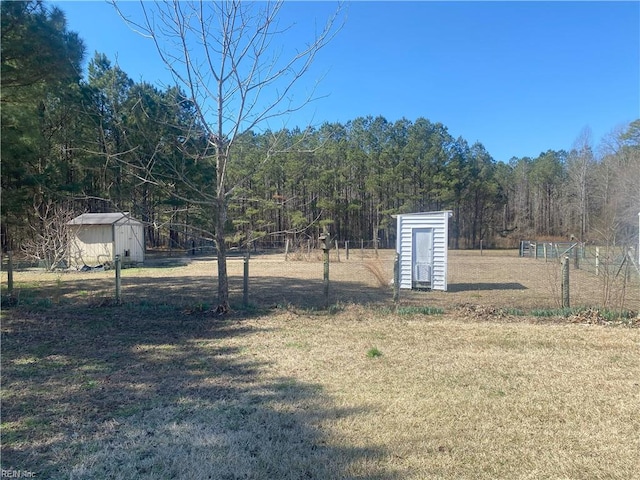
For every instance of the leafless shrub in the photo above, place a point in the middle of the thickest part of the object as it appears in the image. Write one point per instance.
(50, 237)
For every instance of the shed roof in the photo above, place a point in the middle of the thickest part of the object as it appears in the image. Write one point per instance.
(423, 214)
(101, 218)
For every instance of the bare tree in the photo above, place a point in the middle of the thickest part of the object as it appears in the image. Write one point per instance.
(628, 156)
(580, 165)
(617, 183)
(50, 237)
(223, 56)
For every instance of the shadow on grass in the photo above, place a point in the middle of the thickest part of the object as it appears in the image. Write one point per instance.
(201, 292)
(145, 391)
(469, 287)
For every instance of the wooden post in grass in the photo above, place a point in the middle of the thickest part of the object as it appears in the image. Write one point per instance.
(597, 261)
(245, 280)
(346, 249)
(576, 257)
(118, 282)
(286, 250)
(565, 282)
(396, 278)
(10, 272)
(326, 278)
(325, 243)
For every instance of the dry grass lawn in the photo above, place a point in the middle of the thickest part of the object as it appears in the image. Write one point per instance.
(161, 388)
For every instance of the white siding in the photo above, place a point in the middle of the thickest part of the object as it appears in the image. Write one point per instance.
(129, 236)
(439, 222)
(91, 245)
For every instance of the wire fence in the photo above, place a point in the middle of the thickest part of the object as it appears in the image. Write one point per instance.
(272, 279)
(599, 260)
(613, 270)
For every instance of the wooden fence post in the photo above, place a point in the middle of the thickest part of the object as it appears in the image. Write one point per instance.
(118, 280)
(10, 273)
(325, 242)
(576, 257)
(286, 250)
(346, 249)
(325, 277)
(245, 280)
(396, 278)
(565, 283)
(597, 261)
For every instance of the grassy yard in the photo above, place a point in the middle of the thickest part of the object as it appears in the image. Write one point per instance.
(162, 390)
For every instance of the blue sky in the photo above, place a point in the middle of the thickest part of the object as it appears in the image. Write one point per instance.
(519, 77)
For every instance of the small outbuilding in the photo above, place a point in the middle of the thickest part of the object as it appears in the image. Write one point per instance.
(96, 239)
(422, 245)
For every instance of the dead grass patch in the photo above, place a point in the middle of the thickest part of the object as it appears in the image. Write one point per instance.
(470, 386)
(149, 393)
(378, 272)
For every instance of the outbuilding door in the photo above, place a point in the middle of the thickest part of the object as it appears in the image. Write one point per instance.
(422, 265)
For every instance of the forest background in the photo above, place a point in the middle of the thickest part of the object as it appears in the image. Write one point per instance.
(106, 143)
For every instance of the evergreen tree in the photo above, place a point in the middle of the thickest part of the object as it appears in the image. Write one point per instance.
(40, 62)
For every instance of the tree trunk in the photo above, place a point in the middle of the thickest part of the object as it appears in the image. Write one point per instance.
(221, 249)
(221, 221)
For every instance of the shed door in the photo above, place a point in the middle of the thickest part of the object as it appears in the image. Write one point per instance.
(422, 257)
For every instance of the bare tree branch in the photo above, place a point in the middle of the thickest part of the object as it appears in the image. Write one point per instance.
(222, 55)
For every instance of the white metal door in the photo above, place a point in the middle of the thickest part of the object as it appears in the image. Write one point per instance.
(422, 257)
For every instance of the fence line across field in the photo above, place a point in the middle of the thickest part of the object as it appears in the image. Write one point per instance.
(586, 289)
(593, 258)
(502, 279)
(305, 249)
(614, 268)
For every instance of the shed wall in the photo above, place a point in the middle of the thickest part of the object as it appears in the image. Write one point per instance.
(439, 222)
(129, 237)
(91, 245)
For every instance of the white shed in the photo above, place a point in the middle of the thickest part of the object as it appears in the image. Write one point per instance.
(422, 244)
(96, 239)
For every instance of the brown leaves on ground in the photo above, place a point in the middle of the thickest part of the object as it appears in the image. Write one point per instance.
(593, 316)
(590, 316)
(481, 312)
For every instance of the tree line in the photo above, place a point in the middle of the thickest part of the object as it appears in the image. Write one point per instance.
(102, 142)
